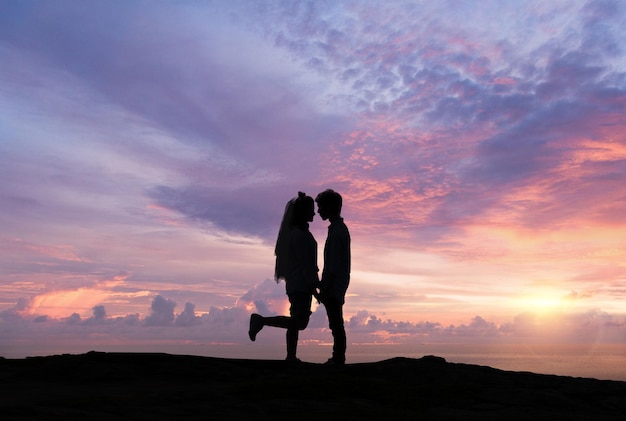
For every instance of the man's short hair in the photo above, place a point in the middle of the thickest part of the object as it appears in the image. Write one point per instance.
(331, 200)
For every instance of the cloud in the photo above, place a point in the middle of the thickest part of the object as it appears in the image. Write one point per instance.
(99, 313)
(575, 295)
(266, 298)
(40, 319)
(478, 327)
(161, 312)
(422, 76)
(73, 319)
(597, 17)
(168, 117)
(187, 317)
(230, 210)
(228, 325)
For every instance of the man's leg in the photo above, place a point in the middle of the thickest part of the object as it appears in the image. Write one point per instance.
(334, 311)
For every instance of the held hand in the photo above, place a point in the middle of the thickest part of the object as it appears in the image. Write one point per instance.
(317, 296)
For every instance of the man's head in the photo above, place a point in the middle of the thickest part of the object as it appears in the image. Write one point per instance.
(329, 204)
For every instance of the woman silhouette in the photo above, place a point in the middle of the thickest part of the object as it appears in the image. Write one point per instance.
(296, 263)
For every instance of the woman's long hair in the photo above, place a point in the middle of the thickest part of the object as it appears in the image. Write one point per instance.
(292, 216)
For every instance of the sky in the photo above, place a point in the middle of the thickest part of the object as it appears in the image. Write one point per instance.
(148, 148)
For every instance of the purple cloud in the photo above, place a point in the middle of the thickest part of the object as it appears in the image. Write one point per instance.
(187, 317)
(162, 312)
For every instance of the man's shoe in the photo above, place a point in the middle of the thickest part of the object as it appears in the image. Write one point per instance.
(256, 324)
(332, 361)
(293, 360)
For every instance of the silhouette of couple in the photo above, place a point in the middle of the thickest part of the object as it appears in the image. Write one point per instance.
(296, 263)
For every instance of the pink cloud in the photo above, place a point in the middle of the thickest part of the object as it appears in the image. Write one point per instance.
(505, 81)
(229, 325)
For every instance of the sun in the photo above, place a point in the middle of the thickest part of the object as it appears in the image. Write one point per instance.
(540, 304)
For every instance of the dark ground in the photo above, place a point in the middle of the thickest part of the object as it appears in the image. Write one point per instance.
(134, 386)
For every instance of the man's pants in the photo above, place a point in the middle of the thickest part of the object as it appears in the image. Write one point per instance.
(334, 310)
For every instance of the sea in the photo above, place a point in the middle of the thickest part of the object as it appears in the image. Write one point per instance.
(604, 362)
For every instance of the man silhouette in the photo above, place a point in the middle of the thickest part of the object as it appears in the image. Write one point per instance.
(336, 272)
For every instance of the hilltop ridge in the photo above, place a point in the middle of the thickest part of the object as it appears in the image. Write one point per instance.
(111, 386)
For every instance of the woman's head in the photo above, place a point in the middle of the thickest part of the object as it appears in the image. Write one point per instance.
(303, 211)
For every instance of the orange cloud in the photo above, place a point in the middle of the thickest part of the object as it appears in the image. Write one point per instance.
(81, 300)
